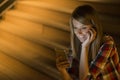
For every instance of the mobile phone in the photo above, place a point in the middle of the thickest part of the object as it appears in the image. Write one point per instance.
(62, 55)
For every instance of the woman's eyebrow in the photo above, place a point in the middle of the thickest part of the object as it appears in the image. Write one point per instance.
(74, 26)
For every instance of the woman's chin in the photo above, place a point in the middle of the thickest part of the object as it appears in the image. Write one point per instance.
(82, 41)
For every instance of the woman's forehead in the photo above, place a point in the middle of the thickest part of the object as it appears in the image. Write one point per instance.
(78, 24)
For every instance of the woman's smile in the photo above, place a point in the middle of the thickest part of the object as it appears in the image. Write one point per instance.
(80, 30)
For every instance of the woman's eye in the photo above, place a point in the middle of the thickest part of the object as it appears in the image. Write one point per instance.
(84, 28)
(75, 28)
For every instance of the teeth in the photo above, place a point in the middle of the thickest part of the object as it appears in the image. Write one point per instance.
(81, 36)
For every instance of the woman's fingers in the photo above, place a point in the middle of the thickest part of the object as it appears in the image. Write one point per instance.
(62, 62)
(92, 34)
(61, 57)
(59, 60)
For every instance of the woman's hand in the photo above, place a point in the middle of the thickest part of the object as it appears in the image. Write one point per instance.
(91, 35)
(62, 62)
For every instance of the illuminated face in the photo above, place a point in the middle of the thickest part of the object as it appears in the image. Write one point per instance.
(81, 30)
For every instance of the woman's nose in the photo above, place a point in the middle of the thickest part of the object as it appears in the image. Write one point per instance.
(80, 32)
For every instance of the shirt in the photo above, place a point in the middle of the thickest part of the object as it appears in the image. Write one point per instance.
(105, 66)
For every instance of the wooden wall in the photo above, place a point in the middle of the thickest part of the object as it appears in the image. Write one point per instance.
(31, 31)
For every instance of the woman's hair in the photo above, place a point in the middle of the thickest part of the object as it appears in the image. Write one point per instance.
(86, 15)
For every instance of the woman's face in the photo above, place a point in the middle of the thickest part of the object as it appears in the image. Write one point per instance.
(81, 30)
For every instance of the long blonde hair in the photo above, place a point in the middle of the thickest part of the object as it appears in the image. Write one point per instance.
(86, 14)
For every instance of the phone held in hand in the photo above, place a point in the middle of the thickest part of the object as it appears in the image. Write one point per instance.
(63, 56)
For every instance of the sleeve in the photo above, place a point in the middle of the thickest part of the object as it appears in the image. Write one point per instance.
(99, 62)
(116, 61)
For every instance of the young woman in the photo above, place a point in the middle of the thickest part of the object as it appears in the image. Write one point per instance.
(94, 55)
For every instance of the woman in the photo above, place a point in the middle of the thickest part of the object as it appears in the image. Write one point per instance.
(94, 55)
